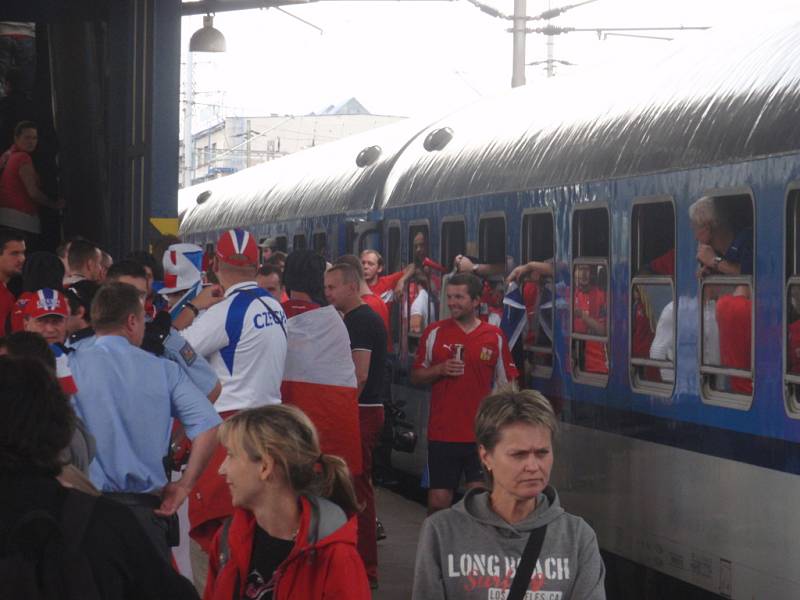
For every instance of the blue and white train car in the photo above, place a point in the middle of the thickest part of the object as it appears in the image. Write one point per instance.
(687, 464)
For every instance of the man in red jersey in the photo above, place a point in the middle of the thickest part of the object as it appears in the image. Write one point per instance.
(12, 257)
(734, 317)
(383, 286)
(463, 359)
(589, 317)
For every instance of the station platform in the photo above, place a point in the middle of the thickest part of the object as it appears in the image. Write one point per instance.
(402, 519)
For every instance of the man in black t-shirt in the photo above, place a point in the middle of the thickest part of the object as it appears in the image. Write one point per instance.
(368, 346)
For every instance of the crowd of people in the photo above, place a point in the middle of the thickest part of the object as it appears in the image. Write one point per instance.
(251, 387)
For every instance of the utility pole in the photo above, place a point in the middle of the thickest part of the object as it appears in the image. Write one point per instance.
(248, 151)
(518, 64)
(188, 146)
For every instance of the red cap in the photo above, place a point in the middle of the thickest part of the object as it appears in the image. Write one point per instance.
(47, 302)
(237, 247)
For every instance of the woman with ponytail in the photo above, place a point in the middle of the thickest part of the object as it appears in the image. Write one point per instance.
(293, 531)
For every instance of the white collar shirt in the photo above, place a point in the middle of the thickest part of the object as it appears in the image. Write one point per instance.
(244, 342)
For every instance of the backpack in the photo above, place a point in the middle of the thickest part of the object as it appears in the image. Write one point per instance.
(41, 558)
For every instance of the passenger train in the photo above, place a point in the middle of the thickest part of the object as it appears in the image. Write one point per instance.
(680, 472)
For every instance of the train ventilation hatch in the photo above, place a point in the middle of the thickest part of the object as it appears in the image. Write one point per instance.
(368, 156)
(438, 139)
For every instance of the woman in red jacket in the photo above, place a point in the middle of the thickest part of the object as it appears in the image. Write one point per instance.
(293, 532)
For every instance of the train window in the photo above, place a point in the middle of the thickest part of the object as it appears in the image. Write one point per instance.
(319, 241)
(590, 281)
(652, 297)
(393, 261)
(349, 237)
(454, 241)
(492, 239)
(281, 243)
(723, 227)
(538, 244)
(792, 304)
(418, 238)
(299, 242)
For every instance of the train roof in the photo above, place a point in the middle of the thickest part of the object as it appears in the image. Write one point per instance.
(322, 180)
(728, 96)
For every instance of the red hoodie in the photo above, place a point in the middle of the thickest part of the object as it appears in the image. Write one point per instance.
(324, 562)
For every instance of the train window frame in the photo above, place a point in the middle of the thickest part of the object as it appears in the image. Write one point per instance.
(410, 227)
(538, 371)
(281, 243)
(482, 220)
(301, 235)
(393, 255)
(664, 389)
(446, 260)
(315, 235)
(791, 383)
(708, 395)
(578, 375)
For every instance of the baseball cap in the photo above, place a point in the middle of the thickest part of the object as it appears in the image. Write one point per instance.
(237, 247)
(47, 302)
(182, 267)
(268, 242)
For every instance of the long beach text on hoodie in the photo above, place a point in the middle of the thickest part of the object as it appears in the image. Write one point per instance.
(469, 553)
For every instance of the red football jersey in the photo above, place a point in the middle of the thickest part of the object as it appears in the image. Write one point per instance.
(734, 319)
(7, 301)
(593, 302)
(455, 400)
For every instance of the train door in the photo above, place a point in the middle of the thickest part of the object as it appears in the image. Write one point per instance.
(299, 241)
(413, 401)
(319, 243)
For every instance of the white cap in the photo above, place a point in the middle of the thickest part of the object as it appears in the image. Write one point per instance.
(182, 267)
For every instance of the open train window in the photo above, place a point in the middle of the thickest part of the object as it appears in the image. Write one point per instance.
(652, 297)
(589, 302)
(723, 227)
(454, 240)
(791, 362)
(492, 239)
(393, 258)
(538, 244)
(319, 242)
(299, 242)
(281, 243)
(418, 242)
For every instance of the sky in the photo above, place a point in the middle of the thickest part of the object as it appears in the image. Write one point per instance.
(424, 57)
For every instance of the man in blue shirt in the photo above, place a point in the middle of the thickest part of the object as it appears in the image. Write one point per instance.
(128, 398)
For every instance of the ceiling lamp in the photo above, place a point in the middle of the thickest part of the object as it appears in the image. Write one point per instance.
(207, 39)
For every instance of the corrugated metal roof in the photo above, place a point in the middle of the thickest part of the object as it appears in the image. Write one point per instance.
(318, 181)
(729, 96)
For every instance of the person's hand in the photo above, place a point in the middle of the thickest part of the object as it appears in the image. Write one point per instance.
(210, 296)
(516, 273)
(706, 255)
(464, 264)
(398, 289)
(451, 368)
(172, 496)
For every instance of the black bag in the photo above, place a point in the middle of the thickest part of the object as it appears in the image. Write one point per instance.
(41, 559)
(522, 578)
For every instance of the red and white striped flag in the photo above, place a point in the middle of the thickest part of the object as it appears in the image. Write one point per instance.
(320, 379)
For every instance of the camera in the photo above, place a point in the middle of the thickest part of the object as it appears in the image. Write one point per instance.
(403, 438)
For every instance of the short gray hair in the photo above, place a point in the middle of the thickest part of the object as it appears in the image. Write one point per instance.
(704, 212)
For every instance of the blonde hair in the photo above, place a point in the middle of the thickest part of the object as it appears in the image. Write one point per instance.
(508, 407)
(287, 435)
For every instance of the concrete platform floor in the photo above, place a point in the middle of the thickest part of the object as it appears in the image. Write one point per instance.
(402, 519)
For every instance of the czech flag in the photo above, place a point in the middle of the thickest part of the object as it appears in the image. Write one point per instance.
(320, 379)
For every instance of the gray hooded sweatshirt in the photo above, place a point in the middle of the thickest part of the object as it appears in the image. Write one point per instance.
(468, 552)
